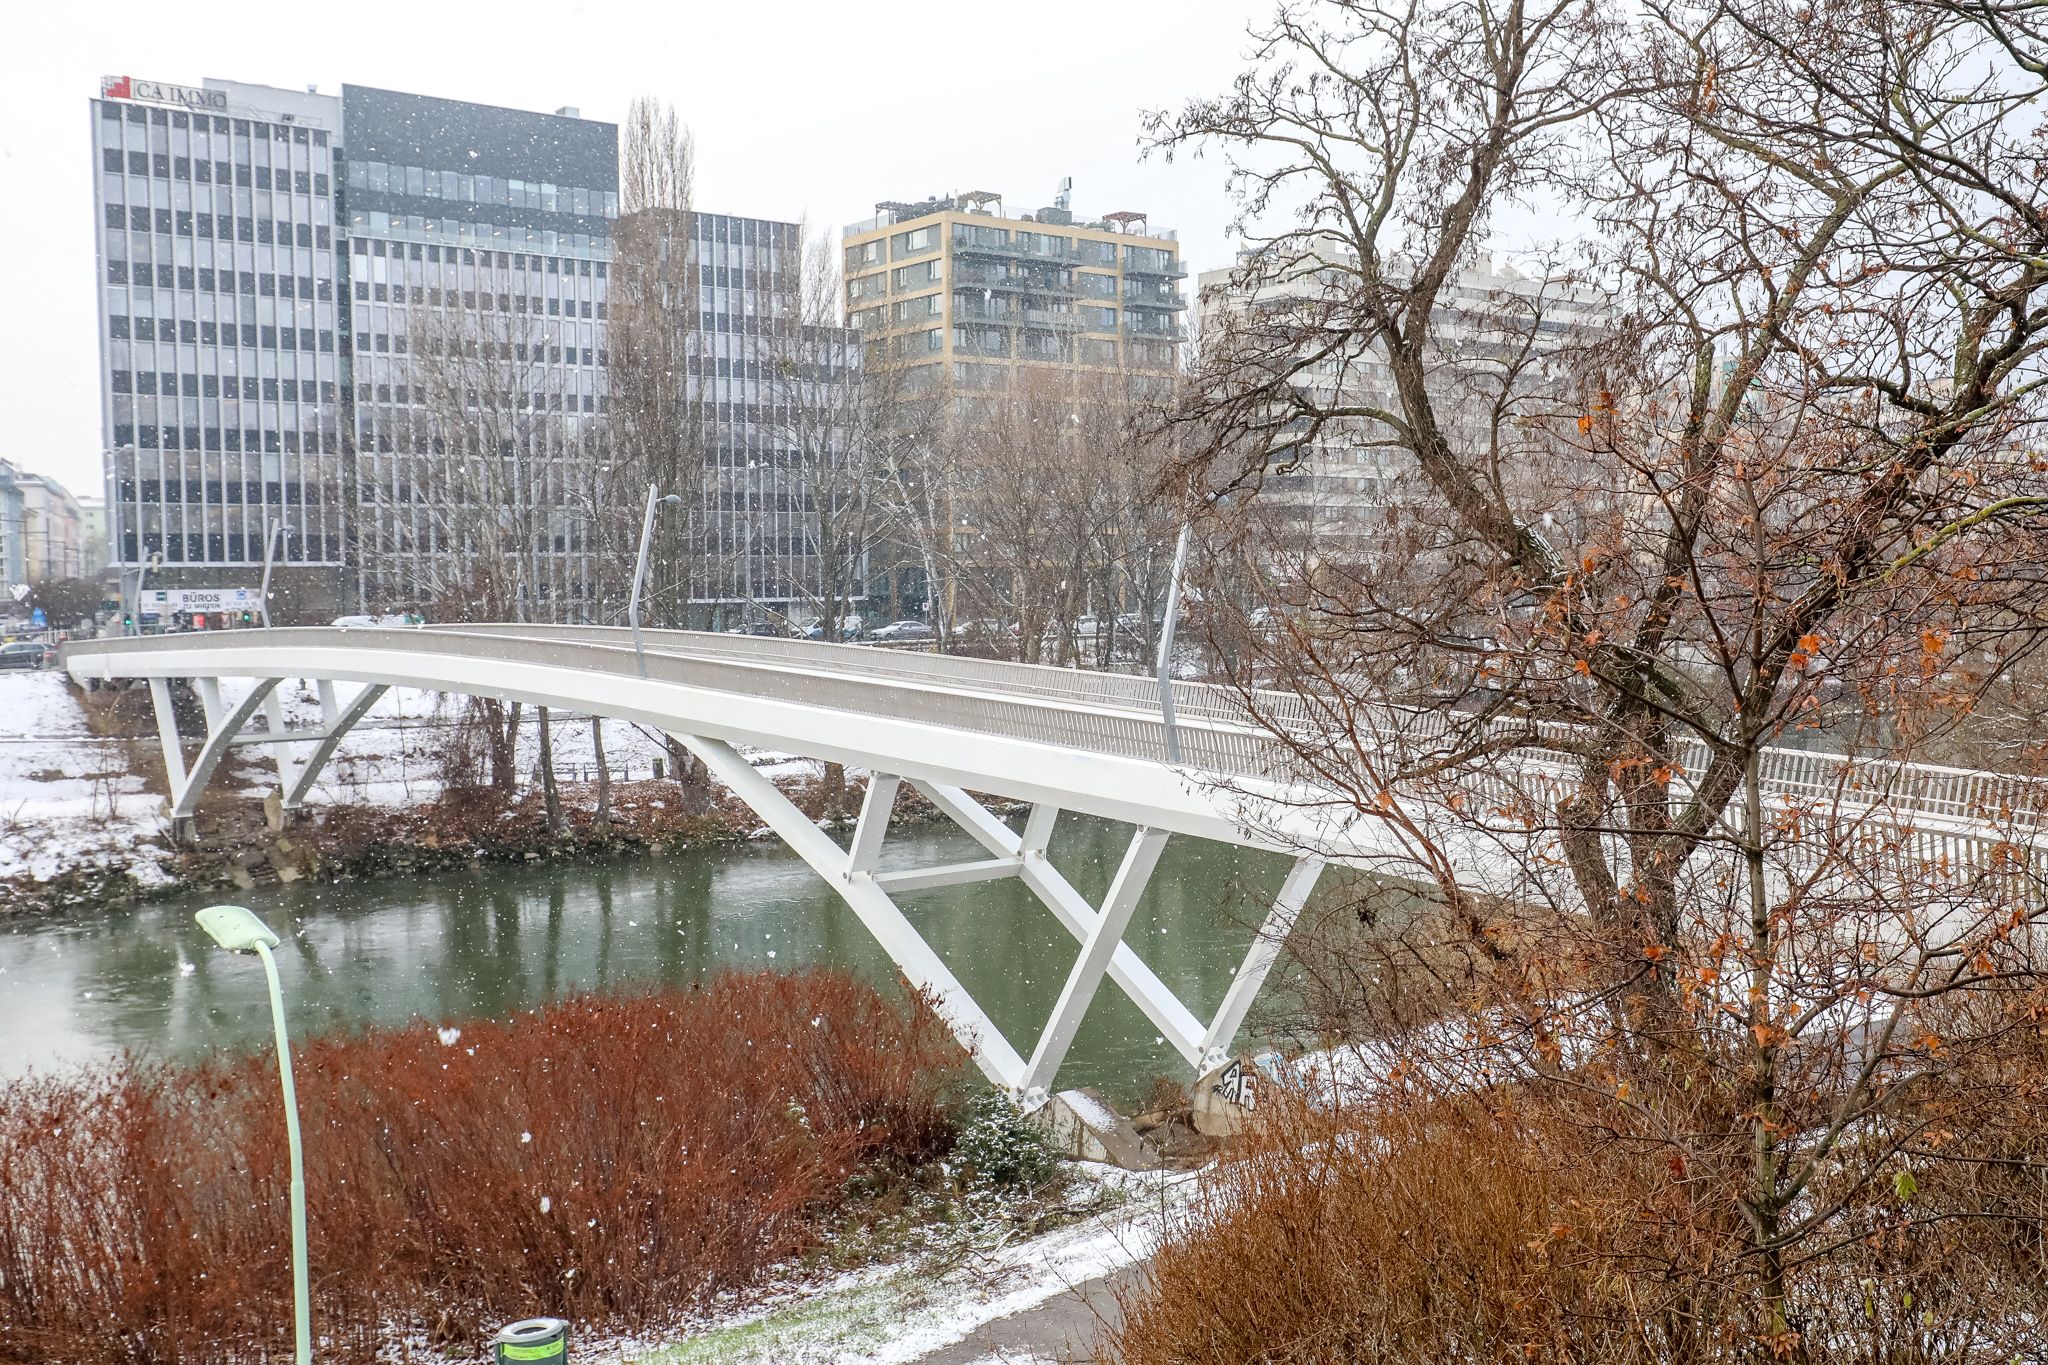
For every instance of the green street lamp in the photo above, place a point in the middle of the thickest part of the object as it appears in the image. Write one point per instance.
(239, 931)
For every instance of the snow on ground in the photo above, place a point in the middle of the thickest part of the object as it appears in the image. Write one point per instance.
(393, 755)
(898, 1314)
(67, 797)
(71, 799)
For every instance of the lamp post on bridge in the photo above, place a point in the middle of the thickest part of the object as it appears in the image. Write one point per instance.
(271, 536)
(1169, 615)
(654, 499)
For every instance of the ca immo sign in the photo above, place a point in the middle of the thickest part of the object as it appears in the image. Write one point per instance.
(157, 92)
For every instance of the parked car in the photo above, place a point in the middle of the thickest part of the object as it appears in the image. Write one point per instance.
(903, 630)
(773, 629)
(849, 629)
(24, 654)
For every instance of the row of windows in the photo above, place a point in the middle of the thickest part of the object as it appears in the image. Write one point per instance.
(151, 382)
(221, 548)
(369, 343)
(112, 111)
(432, 296)
(233, 440)
(263, 336)
(218, 492)
(417, 228)
(485, 257)
(427, 182)
(206, 280)
(186, 223)
(199, 171)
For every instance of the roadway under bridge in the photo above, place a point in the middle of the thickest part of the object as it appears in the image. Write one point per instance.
(957, 730)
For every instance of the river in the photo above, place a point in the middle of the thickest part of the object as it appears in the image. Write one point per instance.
(489, 941)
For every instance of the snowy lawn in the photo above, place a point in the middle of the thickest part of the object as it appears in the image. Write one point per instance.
(67, 797)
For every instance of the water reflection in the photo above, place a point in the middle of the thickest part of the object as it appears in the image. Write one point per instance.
(490, 941)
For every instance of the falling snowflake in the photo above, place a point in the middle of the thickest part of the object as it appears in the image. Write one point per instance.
(449, 1036)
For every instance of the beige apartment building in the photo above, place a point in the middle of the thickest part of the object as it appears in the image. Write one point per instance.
(959, 296)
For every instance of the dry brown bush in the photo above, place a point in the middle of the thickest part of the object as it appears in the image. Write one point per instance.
(1522, 1224)
(614, 1161)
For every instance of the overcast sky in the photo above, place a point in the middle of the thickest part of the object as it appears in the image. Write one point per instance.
(801, 110)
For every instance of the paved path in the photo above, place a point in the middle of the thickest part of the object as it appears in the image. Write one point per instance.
(1064, 1328)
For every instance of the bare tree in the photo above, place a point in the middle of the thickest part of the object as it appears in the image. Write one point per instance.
(659, 427)
(1784, 487)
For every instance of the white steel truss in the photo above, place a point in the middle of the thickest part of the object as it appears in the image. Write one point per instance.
(853, 874)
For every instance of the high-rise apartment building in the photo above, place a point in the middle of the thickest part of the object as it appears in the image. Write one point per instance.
(322, 340)
(1494, 316)
(969, 310)
(961, 297)
(221, 349)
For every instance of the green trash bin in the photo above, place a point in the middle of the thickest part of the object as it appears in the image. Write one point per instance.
(535, 1339)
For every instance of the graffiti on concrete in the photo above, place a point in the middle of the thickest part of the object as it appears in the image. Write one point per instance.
(1235, 1084)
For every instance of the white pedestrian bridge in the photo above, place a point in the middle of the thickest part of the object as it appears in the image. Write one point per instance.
(959, 730)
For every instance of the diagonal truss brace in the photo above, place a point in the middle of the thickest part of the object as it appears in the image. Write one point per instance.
(1204, 1046)
(298, 776)
(187, 785)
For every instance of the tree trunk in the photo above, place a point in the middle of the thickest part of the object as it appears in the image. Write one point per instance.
(551, 795)
(835, 792)
(603, 822)
(501, 733)
(692, 776)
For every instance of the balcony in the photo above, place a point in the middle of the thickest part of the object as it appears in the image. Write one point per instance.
(1169, 272)
(1050, 319)
(987, 277)
(1166, 298)
(972, 308)
(1166, 332)
(1003, 251)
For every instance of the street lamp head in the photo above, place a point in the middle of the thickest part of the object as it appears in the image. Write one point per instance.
(235, 928)
(672, 500)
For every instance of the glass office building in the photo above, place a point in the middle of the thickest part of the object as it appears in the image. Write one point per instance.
(479, 243)
(222, 358)
(271, 262)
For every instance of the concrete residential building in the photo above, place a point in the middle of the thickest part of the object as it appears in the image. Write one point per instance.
(52, 529)
(960, 295)
(965, 302)
(92, 513)
(1334, 499)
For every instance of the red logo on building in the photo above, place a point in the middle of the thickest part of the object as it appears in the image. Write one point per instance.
(116, 87)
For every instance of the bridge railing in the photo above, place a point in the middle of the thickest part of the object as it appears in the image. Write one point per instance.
(1222, 730)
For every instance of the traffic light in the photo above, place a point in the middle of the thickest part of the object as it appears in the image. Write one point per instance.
(248, 618)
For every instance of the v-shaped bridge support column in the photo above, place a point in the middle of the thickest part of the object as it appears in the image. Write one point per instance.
(187, 785)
